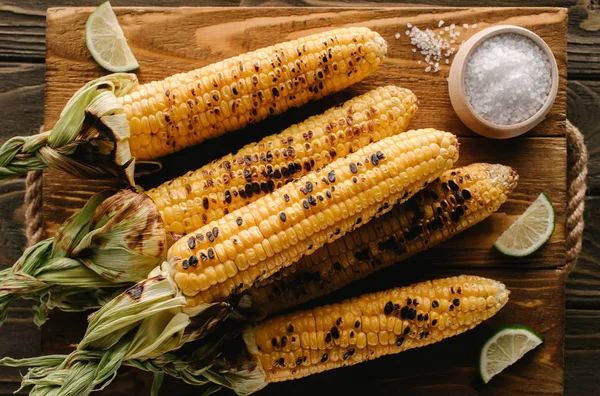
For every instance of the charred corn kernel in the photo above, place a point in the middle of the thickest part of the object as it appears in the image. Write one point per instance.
(398, 305)
(259, 168)
(431, 216)
(187, 108)
(337, 184)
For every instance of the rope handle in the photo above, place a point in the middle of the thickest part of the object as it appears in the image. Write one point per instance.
(577, 158)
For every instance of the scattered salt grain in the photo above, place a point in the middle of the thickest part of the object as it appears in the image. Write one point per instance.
(435, 46)
(507, 79)
(474, 26)
(427, 69)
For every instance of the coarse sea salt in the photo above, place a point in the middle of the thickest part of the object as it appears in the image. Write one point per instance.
(507, 79)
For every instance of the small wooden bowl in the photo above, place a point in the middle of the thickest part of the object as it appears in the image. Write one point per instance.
(459, 99)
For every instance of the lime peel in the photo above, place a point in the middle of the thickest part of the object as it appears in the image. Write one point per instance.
(530, 231)
(106, 41)
(505, 347)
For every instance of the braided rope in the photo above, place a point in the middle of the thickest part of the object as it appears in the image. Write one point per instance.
(576, 179)
(577, 158)
(34, 219)
(34, 215)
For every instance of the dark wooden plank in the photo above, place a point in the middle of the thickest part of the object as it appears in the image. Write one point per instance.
(403, 3)
(583, 284)
(582, 352)
(583, 104)
(20, 336)
(584, 40)
(21, 98)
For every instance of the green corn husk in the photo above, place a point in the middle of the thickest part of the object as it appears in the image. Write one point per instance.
(90, 139)
(139, 328)
(113, 242)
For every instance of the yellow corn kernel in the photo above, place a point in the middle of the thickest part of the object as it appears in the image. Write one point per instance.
(259, 168)
(340, 184)
(198, 105)
(432, 216)
(327, 349)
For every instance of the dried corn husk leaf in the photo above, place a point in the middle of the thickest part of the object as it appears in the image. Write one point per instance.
(109, 244)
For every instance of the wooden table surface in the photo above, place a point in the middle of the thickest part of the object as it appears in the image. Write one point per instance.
(22, 54)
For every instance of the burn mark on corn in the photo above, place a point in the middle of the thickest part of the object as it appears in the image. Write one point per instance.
(239, 221)
(192, 242)
(411, 314)
(324, 358)
(184, 264)
(193, 260)
(353, 167)
(210, 236)
(389, 308)
(399, 341)
(335, 332)
(435, 304)
(211, 253)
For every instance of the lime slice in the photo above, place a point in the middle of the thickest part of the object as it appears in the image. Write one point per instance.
(106, 41)
(504, 348)
(531, 230)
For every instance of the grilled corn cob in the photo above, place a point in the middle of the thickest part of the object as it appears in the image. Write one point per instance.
(185, 109)
(373, 325)
(209, 193)
(459, 199)
(243, 247)
(250, 244)
(190, 201)
(158, 118)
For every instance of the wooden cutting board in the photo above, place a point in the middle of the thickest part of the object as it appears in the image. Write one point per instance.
(170, 40)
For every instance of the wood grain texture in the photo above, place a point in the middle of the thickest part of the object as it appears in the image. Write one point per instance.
(582, 352)
(584, 282)
(583, 106)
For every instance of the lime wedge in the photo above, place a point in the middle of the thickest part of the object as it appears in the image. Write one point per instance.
(504, 348)
(106, 41)
(530, 231)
